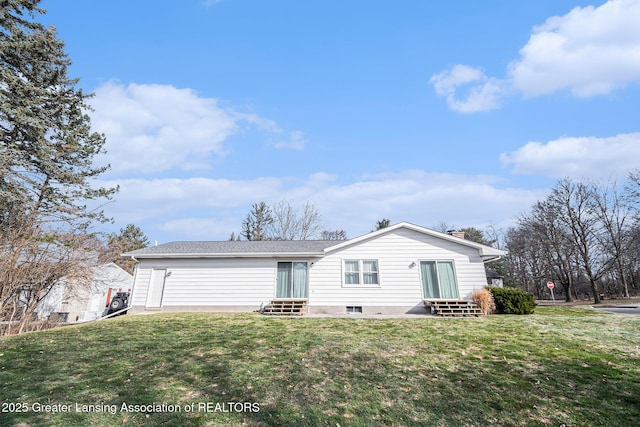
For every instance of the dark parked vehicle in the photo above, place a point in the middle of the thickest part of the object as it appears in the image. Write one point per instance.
(119, 302)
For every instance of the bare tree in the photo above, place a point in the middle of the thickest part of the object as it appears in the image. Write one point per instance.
(614, 217)
(333, 235)
(285, 221)
(289, 223)
(33, 263)
(633, 258)
(576, 210)
(517, 257)
(583, 235)
(632, 202)
(553, 244)
(526, 260)
(443, 227)
(632, 190)
(495, 235)
(309, 222)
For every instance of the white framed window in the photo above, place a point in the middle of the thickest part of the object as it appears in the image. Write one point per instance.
(361, 272)
(352, 272)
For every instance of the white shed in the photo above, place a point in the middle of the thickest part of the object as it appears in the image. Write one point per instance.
(392, 270)
(82, 302)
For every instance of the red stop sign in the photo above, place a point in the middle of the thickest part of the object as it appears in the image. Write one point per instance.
(550, 285)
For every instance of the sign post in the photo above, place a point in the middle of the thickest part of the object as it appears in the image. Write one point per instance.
(550, 285)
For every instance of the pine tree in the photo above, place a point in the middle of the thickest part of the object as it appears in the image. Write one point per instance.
(382, 223)
(256, 224)
(47, 149)
(130, 238)
(46, 143)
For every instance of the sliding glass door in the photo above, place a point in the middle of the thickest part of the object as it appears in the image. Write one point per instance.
(292, 280)
(438, 280)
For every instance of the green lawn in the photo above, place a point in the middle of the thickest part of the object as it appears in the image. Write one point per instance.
(560, 366)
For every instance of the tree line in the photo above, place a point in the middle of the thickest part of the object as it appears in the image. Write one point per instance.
(584, 236)
(285, 221)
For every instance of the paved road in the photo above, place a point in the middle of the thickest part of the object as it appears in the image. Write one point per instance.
(621, 309)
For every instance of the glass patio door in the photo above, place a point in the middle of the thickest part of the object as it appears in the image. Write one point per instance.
(438, 280)
(292, 280)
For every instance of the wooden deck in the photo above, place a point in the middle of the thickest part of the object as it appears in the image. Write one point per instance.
(453, 308)
(286, 307)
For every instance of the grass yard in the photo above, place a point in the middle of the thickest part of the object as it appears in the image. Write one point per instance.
(560, 366)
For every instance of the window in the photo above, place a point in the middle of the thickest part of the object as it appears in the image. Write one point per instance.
(361, 272)
(351, 273)
(370, 272)
(292, 280)
(438, 280)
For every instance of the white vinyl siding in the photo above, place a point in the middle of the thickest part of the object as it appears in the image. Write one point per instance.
(210, 282)
(398, 255)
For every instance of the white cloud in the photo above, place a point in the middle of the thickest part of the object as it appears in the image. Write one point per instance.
(423, 198)
(446, 82)
(577, 157)
(152, 128)
(204, 208)
(589, 51)
(295, 141)
(484, 93)
(160, 196)
(260, 122)
(202, 228)
(209, 3)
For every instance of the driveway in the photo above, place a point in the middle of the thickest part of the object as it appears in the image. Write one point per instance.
(620, 309)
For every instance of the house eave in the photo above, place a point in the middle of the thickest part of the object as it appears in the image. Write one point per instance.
(488, 252)
(484, 251)
(487, 258)
(227, 255)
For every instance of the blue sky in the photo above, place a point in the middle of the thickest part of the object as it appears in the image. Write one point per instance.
(461, 112)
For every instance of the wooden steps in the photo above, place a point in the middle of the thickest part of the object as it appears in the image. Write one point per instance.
(453, 308)
(286, 307)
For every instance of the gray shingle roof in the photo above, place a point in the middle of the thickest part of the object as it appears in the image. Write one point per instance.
(284, 248)
(238, 248)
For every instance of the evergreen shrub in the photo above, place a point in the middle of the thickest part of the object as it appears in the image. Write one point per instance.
(512, 300)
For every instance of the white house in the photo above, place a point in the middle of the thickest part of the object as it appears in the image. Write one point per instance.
(85, 302)
(392, 270)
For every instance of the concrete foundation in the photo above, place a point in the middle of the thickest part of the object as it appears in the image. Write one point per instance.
(326, 310)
